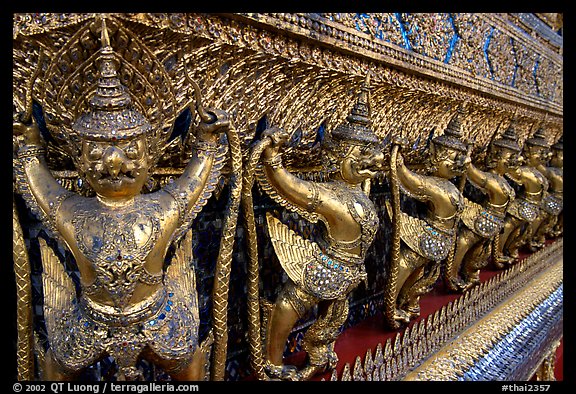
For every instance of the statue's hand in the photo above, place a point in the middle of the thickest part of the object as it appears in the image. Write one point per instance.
(278, 138)
(400, 141)
(210, 130)
(399, 160)
(30, 133)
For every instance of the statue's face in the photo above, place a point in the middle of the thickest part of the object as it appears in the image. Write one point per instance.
(535, 155)
(557, 159)
(503, 159)
(116, 169)
(360, 164)
(449, 162)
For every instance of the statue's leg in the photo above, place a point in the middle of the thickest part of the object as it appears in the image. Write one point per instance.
(518, 238)
(422, 281)
(548, 230)
(476, 259)
(292, 304)
(189, 370)
(544, 229)
(502, 255)
(405, 293)
(558, 226)
(465, 241)
(535, 240)
(409, 262)
(320, 338)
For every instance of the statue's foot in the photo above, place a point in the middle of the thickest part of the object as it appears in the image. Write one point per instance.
(456, 284)
(502, 262)
(536, 245)
(282, 372)
(498, 263)
(310, 371)
(514, 257)
(402, 316)
(413, 311)
(556, 232)
(471, 280)
(470, 284)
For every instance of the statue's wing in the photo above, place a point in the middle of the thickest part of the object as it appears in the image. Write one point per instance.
(206, 193)
(180, 273)
(277, 197)
(470, 213)
(292, 250)
(59, 290)
(411, 228)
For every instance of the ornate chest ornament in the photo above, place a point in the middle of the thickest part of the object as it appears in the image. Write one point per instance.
(552, 204)
(524, 209)
(482, 221)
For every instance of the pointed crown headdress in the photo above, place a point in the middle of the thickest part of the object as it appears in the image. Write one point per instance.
(452, 137)
(559, 145)
(356, 130)
(111, 115)
(509, 139)
(107, 83)
(538, 139)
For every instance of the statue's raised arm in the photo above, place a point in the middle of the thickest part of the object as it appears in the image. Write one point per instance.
(192, 189)
(33, 177)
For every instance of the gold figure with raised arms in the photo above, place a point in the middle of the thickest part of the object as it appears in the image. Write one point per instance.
(129, 306)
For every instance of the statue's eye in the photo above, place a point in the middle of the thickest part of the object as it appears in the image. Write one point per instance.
(132, 152)
(95, 153)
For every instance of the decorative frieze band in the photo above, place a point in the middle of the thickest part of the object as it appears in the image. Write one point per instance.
(454, 342)
(302, 71)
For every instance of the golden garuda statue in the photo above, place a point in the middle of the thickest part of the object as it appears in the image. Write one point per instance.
(421, 244)
(129, 305)
(481, 223)
(553, 202)
(321, 273)
(537, 152)
(524, 214)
